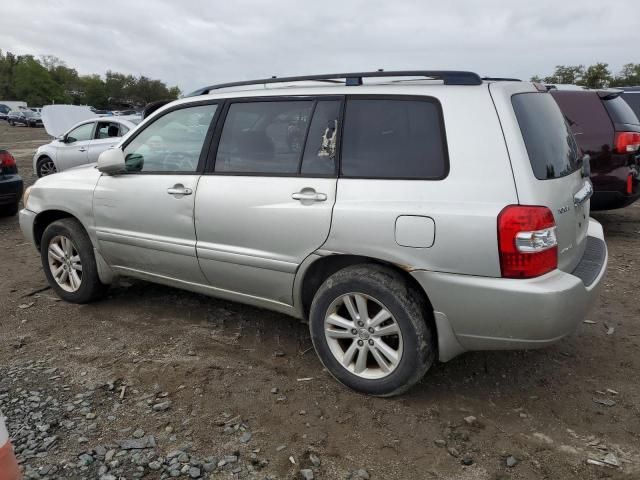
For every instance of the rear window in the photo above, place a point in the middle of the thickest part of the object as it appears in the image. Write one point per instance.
(633, 99)
(386, 138)
(552, 150)
(620, 111)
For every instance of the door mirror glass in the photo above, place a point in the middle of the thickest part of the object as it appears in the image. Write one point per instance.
(112, 161)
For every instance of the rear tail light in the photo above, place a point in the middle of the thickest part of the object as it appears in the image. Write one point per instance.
(527, 241)
(7, 160)
(627, 142)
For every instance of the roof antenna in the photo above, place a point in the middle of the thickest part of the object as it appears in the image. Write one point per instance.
(381, 69)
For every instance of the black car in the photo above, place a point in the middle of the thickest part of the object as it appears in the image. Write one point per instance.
(27, 118)
(10, 184)
(607, 129)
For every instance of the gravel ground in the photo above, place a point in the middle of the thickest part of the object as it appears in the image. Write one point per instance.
(153, 382)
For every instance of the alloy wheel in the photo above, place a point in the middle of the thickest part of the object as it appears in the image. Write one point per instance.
(363, 336)
(47, 168)
(65, 263)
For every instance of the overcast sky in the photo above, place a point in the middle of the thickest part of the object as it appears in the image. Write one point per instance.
(192, 43)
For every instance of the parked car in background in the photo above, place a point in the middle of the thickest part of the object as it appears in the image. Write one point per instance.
(608, 130)
(36, 109)
(400, 233)
(632, 97)
(81, 144)
(27, 118)
(10, 184)
(4, 111)
(9, 469)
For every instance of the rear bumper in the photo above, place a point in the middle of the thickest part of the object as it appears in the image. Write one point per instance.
(483, 313)
(606, 200)
(10, 189)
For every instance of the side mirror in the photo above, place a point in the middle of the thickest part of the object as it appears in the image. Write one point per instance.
(111, 161)
(62, 138)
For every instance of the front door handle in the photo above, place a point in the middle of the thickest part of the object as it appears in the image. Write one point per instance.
(179, 190)
(309, 195)
(82, 149)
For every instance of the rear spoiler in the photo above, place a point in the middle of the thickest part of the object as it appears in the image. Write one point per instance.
(609, 93)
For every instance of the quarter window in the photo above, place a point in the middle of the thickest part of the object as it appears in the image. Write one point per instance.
(393, 139)
(172, 143)
(81, 133)
(263, 137)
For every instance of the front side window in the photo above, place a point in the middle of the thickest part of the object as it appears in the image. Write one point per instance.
(172, 143)
(81, 133)
(263, 137)
(385, 138)
(107, 130)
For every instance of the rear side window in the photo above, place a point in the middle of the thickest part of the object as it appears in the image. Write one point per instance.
(552, 150)
(384, 138)
(620, 111)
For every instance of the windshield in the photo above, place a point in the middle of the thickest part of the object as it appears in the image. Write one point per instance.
(552, 150)
(30, 114)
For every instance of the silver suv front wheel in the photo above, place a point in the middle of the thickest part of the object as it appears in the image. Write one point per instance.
(64, 263)
(372, 329)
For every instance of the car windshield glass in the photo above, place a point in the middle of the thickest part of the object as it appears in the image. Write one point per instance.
(552, 150)
(30, 114)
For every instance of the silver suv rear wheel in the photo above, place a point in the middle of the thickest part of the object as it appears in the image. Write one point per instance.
(373, 329)
(363, 335)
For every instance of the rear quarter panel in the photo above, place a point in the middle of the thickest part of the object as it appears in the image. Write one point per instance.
(464, 206)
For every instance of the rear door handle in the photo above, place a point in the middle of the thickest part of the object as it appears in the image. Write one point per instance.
(583, 194)
(309, 195)
(82, 149)
(179, 190)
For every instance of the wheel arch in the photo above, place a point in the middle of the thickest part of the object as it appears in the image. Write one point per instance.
(323, 267)
(46, 218)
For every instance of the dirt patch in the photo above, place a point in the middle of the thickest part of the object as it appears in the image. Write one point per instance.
(219, 362)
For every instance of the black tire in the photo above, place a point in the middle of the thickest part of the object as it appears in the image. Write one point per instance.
(410, 311)
(91, 288)
(9, 210)
(41, 162)
(11, 123)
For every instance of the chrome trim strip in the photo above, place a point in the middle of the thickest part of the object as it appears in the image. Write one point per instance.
(249, 258)
(162, 244)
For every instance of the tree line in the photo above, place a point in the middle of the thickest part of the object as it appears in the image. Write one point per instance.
(597, 75)
(47, 80)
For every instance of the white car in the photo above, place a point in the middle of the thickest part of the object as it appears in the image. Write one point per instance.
(81, 144)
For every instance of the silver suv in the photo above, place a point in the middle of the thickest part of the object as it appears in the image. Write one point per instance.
(407, 216)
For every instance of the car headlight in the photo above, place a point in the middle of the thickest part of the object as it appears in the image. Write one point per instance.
(25, 197)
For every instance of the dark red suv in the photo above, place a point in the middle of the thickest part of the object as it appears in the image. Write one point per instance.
(607, 129)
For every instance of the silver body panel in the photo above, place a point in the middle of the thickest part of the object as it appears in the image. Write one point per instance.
(245, 238)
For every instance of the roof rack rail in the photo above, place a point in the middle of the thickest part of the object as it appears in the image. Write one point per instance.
(449, 77)
(501, 79)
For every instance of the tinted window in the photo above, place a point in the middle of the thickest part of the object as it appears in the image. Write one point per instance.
(263, 137)
(81, 133)
(172, 143)
(587, 118)
(552, 150)
(123, 130)
(620, 111)
(633, 99)
(393, 139)
(107, 130)
(320, 149)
